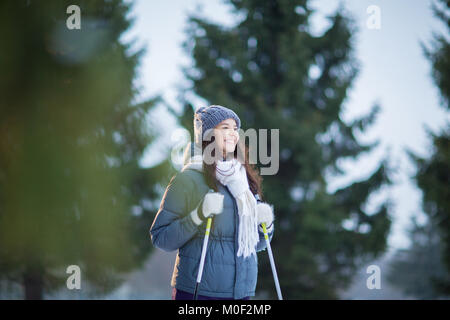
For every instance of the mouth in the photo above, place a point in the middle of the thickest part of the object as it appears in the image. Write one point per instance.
(229, 141)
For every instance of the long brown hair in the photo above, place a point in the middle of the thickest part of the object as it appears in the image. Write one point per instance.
(253, 177)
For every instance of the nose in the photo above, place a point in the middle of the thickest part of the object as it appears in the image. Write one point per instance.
(231, 134)
(235, 136)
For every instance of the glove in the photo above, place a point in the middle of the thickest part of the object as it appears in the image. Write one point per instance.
(264, 214)
(211, 204)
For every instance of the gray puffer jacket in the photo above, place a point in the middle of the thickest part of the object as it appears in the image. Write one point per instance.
(225, 275)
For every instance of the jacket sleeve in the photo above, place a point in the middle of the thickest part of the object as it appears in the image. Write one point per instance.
(173, 225)
(261, 245)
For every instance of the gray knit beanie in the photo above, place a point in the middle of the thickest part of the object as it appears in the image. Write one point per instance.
(209, 117)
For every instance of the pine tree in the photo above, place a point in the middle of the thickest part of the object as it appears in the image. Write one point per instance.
(71, 136)
(433, 173)
(275, 74)
(418, 269)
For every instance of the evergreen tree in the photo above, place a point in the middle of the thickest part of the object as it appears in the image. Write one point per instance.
(275, 74)
(71, 135)
(418, 269)
(433, 173)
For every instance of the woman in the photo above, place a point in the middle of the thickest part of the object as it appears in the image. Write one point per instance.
(231, 267)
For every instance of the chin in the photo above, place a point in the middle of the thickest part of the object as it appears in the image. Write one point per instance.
(231, 150)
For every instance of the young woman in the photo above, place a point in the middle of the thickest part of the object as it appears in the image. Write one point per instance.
(215, 182)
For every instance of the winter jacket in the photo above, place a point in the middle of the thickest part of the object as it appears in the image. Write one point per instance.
(224, 275)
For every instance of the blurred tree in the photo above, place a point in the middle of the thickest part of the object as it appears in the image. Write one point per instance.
(71, 136)
(418, 269)
(433, 173)
(275, 74)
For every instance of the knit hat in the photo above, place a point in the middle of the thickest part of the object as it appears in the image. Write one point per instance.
(209, 117)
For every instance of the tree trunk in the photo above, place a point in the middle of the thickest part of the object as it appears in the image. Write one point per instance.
(33, 283)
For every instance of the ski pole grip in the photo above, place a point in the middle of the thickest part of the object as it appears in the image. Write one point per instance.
(266, 236)
(208, 226)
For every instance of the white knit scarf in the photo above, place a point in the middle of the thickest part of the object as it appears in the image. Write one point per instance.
(227, 172)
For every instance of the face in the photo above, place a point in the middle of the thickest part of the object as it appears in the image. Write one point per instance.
(226, 136)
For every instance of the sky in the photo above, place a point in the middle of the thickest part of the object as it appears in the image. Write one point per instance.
(393, 73)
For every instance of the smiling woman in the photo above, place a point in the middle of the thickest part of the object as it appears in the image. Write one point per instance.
(224, 192)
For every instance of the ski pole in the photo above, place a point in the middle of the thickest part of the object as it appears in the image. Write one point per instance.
(272, 262)
(269, 250)
(202, 258)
